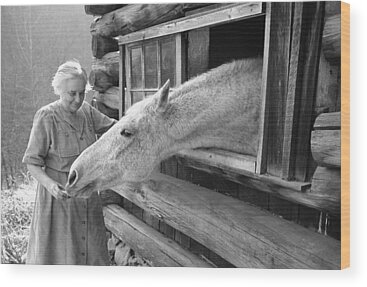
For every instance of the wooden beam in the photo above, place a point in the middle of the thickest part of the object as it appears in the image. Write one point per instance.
(122, 81)
(278, 25)
(328, 121)
(218, 157)
(109, 63)
(240, 233)
(101, 9)
(331, 38)
(103, 45)
(148, 242)
(306, 84)
(327, 181)
(132, 18)
(297, 192)
(198, 52)
(234, 12)
(325, 147)
(110, 98)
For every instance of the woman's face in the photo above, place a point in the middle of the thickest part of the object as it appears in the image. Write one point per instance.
(73, 96)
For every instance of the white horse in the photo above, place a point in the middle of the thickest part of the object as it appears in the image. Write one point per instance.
(218, 109)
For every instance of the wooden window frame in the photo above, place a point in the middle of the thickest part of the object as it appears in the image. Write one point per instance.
(178, 65)
(254, 167)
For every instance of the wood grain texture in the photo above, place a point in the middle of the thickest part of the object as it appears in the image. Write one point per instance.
(327, 181)
(101, 9)
(198, 52)
(274, 87)
(148, 242)
(200, 20)
(122, 81)
(238, 232)
(328, 121)
(109, 63)
(132, 18)
(345, 129)
(103, 45)
(296, 192)
(325, 147)
(331, 38)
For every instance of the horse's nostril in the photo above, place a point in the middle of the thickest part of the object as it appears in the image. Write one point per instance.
(73, 177)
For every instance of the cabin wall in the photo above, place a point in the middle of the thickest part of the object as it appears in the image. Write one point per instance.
(207, 48)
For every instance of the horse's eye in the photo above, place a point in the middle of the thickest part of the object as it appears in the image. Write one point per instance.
(126, 133)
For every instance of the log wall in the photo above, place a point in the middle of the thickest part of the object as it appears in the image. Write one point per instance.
(237, 188)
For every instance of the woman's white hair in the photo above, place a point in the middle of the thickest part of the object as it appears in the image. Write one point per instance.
(69, 70)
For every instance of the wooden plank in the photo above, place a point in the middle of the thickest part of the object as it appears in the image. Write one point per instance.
(345, 129)
(148, 242)
(237, 163)
(132, 18)
(308, 63)
(327, 181)
(221, 15)
(103, 45)
(278, 25)
(292, 106)
(331, 38)
(179, 60)
(297, 192)
(122, 82)
(217, 157)
(261, 161)
(198, 52)
(238, 232)
(328, 121)
(101, 9)
(325, 147)
(128, 102)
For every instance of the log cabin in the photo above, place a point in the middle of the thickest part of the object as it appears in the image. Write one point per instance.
(279, 209)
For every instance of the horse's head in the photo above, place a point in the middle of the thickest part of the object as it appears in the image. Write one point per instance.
(129, 151)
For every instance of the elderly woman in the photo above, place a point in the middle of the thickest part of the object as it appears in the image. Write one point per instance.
(65, 230)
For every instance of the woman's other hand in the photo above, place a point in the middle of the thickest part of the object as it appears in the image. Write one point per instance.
(57, 190)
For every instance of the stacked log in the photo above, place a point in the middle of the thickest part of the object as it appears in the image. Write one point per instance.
(101, 9)
(325, 147)
(331, 35)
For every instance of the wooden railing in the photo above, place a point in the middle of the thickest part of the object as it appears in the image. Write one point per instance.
(238, 232)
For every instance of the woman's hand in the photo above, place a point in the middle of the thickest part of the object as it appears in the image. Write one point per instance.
(52, 186)
(57, 190)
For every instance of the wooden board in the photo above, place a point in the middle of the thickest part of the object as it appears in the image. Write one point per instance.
(103, 45)
(238, 232)
(148, 242)
(274, 86)
(209, 18)
(328, 121)
(325, 147)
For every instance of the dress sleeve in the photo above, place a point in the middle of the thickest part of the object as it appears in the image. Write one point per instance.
(102, 123)
(39, 140)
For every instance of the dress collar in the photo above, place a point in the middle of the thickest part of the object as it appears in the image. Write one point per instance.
(76, 121)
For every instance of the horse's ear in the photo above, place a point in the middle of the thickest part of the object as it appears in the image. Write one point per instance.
(163, 97)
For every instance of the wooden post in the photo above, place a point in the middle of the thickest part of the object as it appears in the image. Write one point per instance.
(274, 86)
(122, 81)
(302, 83)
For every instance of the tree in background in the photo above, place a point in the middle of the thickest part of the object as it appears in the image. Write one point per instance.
(35, 40)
